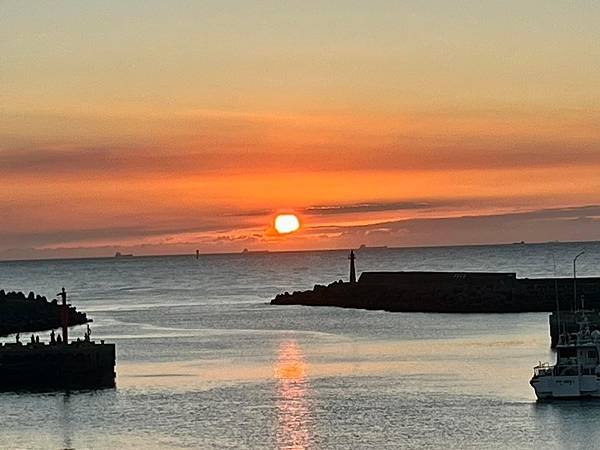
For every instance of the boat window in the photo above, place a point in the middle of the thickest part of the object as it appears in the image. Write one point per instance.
(567, 352)
(592, 354)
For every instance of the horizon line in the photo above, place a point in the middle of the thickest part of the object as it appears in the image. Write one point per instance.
(262, 252)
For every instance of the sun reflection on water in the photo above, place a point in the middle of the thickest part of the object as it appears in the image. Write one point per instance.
(293, 412)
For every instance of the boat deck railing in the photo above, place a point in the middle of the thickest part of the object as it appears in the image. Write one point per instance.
(543, 369)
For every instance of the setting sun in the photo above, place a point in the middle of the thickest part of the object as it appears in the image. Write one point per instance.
(286, 223)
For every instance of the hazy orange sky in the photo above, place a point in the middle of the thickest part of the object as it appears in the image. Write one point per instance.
(165, 127)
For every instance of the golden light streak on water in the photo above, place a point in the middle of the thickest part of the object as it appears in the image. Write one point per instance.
(293, 411)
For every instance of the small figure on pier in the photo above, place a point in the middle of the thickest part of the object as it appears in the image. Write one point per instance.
(37, 339)
(87, 334)
(32, 339)
(52, 337)
(197, 254)
(59, 339)
(352, 268)
(18, 338)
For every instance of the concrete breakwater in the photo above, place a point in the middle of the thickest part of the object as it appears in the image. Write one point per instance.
(22, 313)
(450, 292)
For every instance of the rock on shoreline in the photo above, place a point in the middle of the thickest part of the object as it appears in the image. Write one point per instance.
(23, 313)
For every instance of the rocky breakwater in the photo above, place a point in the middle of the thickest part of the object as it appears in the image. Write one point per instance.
(447, 292)
(22, 313)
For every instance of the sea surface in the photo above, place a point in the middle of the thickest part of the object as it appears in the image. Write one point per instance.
(203, 360)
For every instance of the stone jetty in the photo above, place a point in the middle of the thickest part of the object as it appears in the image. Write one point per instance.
(28, 313)
(449, 292)
(460, 292)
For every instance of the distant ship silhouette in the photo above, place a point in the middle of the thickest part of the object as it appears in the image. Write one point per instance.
(123, 255)
(246, 251)
(368, 247)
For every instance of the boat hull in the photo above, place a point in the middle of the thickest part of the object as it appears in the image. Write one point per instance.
(566, 387)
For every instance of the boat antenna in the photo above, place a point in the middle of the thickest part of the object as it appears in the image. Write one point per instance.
(556, 296)
(575, 280)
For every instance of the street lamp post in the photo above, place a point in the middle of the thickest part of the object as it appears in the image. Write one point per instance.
(575, 280)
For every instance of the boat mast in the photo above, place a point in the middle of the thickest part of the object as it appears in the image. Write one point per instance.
(556, 296)
(575, 280)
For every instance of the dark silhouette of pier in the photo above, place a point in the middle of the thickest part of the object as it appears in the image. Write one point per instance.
(58, 364)
(448, 292)
(23, 313)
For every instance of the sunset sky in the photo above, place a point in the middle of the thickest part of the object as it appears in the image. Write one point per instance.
(165, 127)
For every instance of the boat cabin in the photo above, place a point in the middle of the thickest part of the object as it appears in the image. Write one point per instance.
(576, 360)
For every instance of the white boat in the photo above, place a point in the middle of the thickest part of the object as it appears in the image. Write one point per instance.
(576, 373)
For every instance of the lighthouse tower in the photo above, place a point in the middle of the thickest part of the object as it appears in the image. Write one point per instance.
(352, 268)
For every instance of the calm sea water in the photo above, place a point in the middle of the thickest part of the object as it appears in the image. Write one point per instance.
(204, 361)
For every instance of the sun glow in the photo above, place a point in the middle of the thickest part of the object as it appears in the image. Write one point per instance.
(286, 223)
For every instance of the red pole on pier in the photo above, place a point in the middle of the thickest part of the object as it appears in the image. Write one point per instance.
(64, 316)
